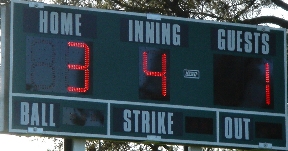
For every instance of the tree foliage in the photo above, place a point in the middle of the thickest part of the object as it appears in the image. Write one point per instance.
(270, 19)
(107, 145)
(220, 10)
(240, 11)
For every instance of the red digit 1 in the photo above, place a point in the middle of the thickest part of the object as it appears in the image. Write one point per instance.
(161, 74)
(267, 81)
(81, 67)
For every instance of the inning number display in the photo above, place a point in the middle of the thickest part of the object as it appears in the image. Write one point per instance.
(154, 74)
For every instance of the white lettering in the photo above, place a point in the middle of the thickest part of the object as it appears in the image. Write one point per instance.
(43, 22)
(157, 33)
(136, 114)
(238, 128)
(236, 125)
(24, 118)
(127, 123)
(248, 44)
(145, 122)
(221, 39)
(66, 24)
(175, 35)
(154, 32)
(44, 123)
(150, 32)
(54, 22)
(153, 122)
(165, 33)
(170, 123)
(246, 126)
(64, 21)
(130, 30)
(231, 40)
(51, 122)
(228, 127)
(239, 41)
(35, 114)
(161, 124)
(265, 46)
(256, 36)
(138, 31)
(77, 24)
(242, 41)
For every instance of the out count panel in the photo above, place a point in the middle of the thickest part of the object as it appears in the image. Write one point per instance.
(127, 76)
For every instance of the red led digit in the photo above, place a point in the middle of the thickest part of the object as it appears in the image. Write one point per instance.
(267, 81)
(161, 74)
(84, 67)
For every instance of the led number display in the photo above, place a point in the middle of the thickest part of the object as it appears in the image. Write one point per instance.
(84, 67)
(154, 74)
(57, 65)
(243, 81)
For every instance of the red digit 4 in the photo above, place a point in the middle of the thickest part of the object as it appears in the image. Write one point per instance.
(161, 74)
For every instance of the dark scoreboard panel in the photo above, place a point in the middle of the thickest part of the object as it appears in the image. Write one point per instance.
(130, 76)
(142, 60)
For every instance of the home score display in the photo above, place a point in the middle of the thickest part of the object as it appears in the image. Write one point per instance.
(126, 76)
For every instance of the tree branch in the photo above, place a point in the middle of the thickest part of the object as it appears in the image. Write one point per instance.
(266, 19)
(281, 4)
(175, 8)
(244, 10)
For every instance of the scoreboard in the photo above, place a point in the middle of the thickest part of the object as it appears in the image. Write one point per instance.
(94, 73)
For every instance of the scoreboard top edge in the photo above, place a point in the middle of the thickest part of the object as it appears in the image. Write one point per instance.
(149, 16)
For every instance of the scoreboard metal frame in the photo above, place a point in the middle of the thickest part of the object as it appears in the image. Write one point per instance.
(93, 73)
